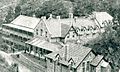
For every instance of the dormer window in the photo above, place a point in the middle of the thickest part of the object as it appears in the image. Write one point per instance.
(81, 29)
(68, 35)
(71, 62)
(57, 58)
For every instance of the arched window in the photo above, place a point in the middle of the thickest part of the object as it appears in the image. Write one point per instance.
(84, 28)
(77, 30)
(68, 35)
(91, 28)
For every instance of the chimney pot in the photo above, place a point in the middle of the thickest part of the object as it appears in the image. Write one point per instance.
(75, 18)
(58, 17)
(50, 15)
(43, 17)
(34, 15)
(70, 15)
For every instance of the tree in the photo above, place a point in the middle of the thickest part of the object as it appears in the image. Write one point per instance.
(109, 45)
(83, 7)
(10, 15)
(27, 9)
(17, 10)
(52, 7)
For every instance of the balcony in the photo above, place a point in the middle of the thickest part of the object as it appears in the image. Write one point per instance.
(13, 40)
(17, 33)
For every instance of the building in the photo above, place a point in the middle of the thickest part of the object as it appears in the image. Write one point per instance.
(19, 31)
(76, 58)
(47, 39)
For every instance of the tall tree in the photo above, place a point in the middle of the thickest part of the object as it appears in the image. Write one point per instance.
(10, 15)
(52, 7)
(17, 10)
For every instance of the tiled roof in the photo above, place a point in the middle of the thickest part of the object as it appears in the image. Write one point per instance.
(97, 60)
(41, 43)
(75, 51)
(25, 21)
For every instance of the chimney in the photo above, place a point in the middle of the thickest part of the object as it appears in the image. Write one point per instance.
(50, 16)
(43, 17)
(66, 52)
(70, 15)
(34, 15)
(75, 18)
(58, 17)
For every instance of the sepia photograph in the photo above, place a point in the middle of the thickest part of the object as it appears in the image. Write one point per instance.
(59, 36)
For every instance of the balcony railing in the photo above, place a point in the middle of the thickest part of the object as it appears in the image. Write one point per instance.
(17, 33)
(14, 40)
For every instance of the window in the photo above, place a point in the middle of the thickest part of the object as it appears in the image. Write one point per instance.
(88, 66)
(93, 69)
(68, 35)
(46, 34)
(36, 31)
(51, 60)
(83, 66)
(41, 32)
(103, 69)
(81, 29)
(73, 35)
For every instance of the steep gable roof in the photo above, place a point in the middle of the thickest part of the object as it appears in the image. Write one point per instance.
(56, 28)
(101, 17)
(75, 51)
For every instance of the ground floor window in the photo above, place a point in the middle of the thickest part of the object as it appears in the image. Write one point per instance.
(83, 67)
(93, 69)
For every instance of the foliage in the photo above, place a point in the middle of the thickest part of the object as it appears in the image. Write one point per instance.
(4, 46)
(10, 16)
(52, 7)
(27, 9)
(2, 59)
(17, 11)
(13, 67)
(83, 8)
(109, 45)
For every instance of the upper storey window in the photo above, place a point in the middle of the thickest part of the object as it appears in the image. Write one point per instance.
(36, 31)
(41, 32)
(46, 34)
